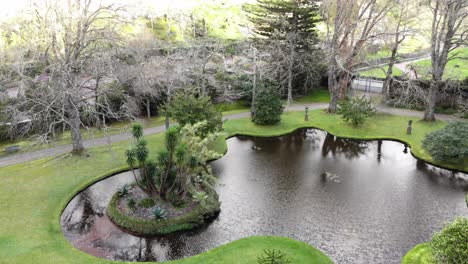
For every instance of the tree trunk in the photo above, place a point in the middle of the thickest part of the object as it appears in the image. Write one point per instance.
(75, 123)
(148, 109)
(334, 88)
(386, 85)
(96, 105)
(333, 105)
(167, 122)
(429, 114)
(290, 75)
(254, 86)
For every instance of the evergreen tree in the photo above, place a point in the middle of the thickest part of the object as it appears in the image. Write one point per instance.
(278, 18)
(287, 31)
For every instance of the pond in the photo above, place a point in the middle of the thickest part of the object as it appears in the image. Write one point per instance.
(357, 201)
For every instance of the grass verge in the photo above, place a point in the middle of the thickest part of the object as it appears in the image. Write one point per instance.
(33, 194)
(420, 254)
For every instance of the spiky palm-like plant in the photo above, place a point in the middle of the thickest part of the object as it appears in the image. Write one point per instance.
(137, 130)
(139, 154)
(166, 158)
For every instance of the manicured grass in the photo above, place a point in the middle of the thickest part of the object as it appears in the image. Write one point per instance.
(33, 194)
(91, 133)
(380, 72)
(456, 69)
(316, 96)
(381, 126)
(420, 254)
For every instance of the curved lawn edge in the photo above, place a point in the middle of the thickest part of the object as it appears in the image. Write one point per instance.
(341, 130)
(246, 250)
(34, 233)
(273, 131)
(144, 227)
(420, 254)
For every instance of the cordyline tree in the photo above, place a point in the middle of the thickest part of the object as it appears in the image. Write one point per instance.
(68, 35)
(351, 25)
(449, 31)
(287, 30)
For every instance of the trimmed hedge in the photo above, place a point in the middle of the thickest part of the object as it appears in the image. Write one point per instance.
(143, 227)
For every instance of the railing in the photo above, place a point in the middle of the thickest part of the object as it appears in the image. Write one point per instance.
(367, 85)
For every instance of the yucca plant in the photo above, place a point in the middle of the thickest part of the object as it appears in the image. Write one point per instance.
(200, 197)
(137, 130)
(166, 158)
(138, 155)
(123, 190)
(159, 213)
(131, 204)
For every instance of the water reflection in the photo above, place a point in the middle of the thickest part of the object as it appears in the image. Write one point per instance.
(358, 201)
(350, 148)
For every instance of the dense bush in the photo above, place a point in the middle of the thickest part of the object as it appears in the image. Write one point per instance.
(451, 244)
(188, 109)
(267, 106)
(356, 110)
(449, 143)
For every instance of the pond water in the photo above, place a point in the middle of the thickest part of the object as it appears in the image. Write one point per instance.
(357, 201)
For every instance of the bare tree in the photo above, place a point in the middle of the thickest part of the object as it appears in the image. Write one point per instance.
(403, 18)
(351, 25)
(449, 31)
(71, 34)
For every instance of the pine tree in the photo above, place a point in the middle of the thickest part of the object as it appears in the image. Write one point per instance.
(286, 30)
(278, 18)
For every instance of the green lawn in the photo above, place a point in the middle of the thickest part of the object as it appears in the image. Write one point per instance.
(456, 69)
(65, 138)
(34, 194)
(420, 254)
(380, 72)
(316, 96)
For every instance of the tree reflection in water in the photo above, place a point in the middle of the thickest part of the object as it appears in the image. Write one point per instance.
(350, 148)
(81, 223)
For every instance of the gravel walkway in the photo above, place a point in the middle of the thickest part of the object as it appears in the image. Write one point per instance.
(34, 155)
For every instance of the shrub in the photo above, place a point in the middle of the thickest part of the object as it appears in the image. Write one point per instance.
(188, 109)
(159, 213)
(123, 190)
(176, 200)
(131, 204)
(200, 198)
(449, 143)
(273, 257)
(356, 110)
(451, 244)
(267, 106)
(146, 203)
